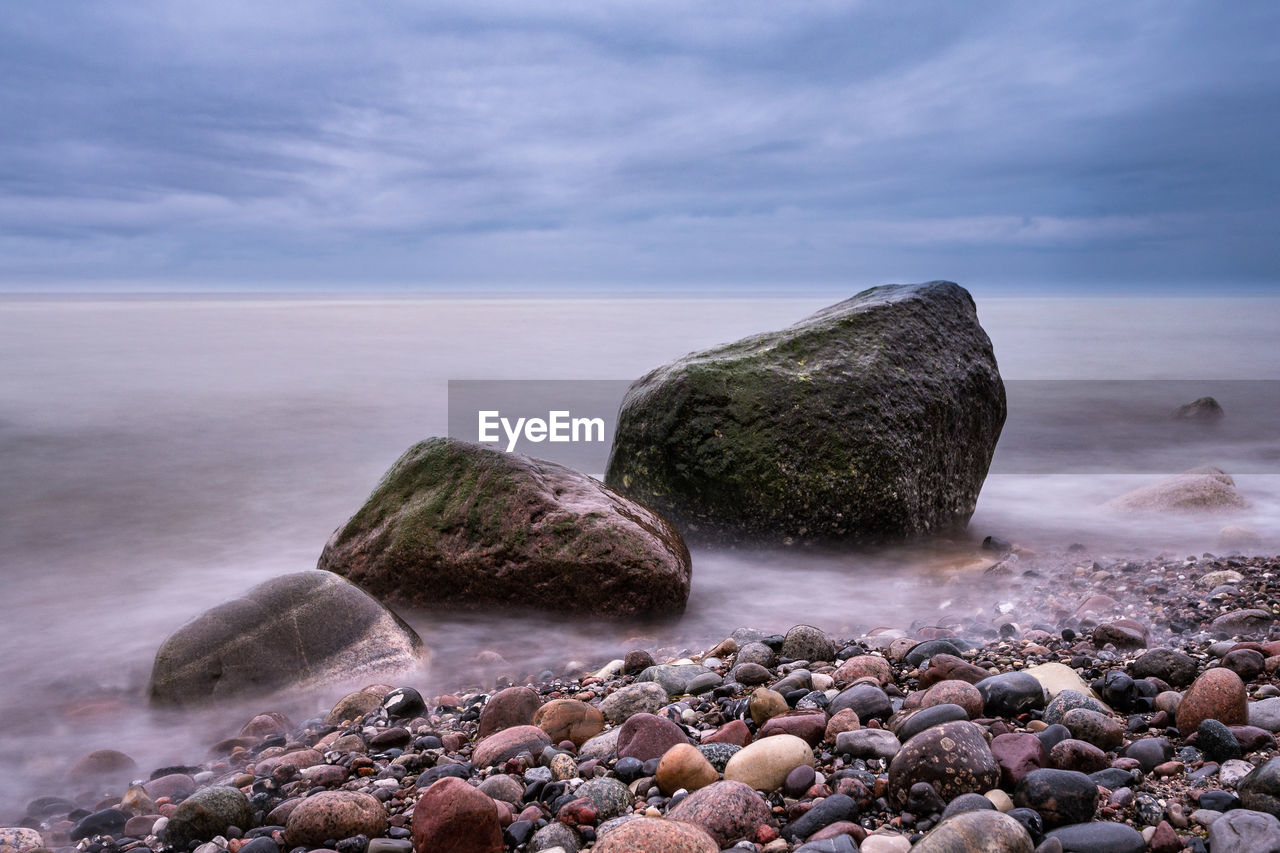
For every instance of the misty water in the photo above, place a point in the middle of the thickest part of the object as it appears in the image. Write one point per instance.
(159, 456)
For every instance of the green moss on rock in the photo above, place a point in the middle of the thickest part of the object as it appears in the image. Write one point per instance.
(873, 420)
(453, 524)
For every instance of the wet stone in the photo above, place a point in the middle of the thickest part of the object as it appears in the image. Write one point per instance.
(974, 831)
(1260, 789)
(868, 743)
(725, 810)
(1058, 796)
(1216, 741)
(1149, 752)
(207, 813)
(1068, 700)
(1175, 668)
(1093, 727)
(1099, 837)
(718, 753)
(866, 700)
(824, 812)
(953, 757)
(929, 717)
(805, 642)
(1245, 831)
(1010, 694)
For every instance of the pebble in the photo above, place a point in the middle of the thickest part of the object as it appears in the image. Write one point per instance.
(1245, 831)
(764, 764)
(1017, 754)
(985, 831)
(207, 813)
(868, 743)
(1059, 796)
(1009, 694)
(683, 766)
(646, 736)
(1260, 788)
(727, 811)
(1099, 837)
(805, 642)
(508, 743)
(641, 698)
(566, 786)
(1218, 694)
(335, 814)
(514, 706)
(953, 757)
(1216, 741)
(655, 835)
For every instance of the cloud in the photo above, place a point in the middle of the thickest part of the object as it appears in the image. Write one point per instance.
(621, 145)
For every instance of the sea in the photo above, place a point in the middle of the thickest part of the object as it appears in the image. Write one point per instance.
(162, 454)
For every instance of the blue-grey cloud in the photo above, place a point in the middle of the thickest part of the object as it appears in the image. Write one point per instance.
(614, 145)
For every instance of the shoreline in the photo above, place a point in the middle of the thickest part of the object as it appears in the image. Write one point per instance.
(1034, 599)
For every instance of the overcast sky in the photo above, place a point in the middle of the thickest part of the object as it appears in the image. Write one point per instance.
(669, 145)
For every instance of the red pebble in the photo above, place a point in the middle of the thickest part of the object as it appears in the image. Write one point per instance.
(579, 812)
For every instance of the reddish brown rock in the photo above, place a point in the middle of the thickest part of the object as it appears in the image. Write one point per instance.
(453, 817)
(1218, 694)
(508, 708)
(266, 725)
(1017, 754)
(335, 814)
(509, 743)
(1122, 633)
(297, 760)
(459, 525)
(946, 667)
(569, 719)
(1071, 754)
(646, 736)
(1246, 663)
(353, 706)
(734, 731)
(844, 720)
(175, 786)
(1095, 604)
(727, 811)
(103, 764)
(683, 766)
(655, 835)
(954, 692)
(863, 666)
(809, 726)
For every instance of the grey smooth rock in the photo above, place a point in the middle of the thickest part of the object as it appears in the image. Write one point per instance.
(207, 813)
(298, 630)
(1245, 831)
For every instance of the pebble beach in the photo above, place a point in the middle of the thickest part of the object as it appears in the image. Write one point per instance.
(1093, 704)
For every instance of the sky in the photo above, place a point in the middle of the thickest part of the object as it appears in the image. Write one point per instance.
(620, 147)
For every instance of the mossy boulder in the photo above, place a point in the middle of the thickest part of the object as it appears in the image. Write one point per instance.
(294, 631)
(873, 420)
(458, 525)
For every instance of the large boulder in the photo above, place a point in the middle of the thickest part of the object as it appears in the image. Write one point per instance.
(295, 631)
(1201, 490)
(459, 525)
(875, 419)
